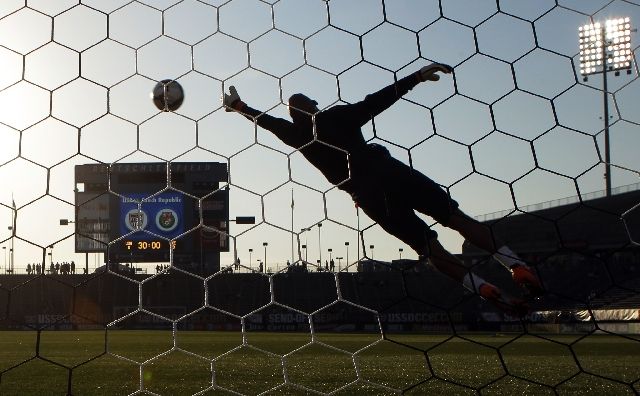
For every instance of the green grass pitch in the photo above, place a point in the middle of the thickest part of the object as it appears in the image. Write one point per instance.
(122, 362)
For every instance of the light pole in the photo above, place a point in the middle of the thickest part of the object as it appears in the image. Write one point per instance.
(265, 244)
(237, 220)
(319, 241)
(346, 245)
(605, 47)
(306, 237)
(330, 254)
(11, 252)
(400, 251)
(86, 254)
(371, 247)
(5, 258)
(339, 262)
(306, 242)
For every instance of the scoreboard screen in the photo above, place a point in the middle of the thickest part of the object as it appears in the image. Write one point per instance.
(161, 217)
(145, 212)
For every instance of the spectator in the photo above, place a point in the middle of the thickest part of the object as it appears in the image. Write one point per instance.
(38, 269)
(29, 269)
(73, 267)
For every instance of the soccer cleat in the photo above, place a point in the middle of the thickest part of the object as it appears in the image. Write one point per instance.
(511, 306)
(526, 278)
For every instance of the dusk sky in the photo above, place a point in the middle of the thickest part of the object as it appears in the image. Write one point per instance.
(514, 125)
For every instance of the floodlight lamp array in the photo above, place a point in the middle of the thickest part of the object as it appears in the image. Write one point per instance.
(605, 47)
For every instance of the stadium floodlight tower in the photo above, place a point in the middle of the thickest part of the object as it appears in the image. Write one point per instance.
(605, 47)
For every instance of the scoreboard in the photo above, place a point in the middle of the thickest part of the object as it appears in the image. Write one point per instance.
(153, 212)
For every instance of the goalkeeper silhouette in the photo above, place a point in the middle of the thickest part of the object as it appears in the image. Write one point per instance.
(386, 189)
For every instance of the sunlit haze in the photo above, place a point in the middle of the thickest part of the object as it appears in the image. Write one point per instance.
(514, 125)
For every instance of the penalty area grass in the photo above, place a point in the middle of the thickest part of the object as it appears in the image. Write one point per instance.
(121, 362)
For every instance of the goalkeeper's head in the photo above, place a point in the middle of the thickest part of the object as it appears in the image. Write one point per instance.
(301, 108)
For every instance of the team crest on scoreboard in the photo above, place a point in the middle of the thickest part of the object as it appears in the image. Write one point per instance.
(166, 219)
(136, 220)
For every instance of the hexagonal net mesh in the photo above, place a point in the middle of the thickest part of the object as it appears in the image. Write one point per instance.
(256, 274)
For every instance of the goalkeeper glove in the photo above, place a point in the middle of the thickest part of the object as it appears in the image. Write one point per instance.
(232, 101)
(428, 73)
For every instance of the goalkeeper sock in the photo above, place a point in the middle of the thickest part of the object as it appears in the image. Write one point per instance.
(472, 282)
(508, 257)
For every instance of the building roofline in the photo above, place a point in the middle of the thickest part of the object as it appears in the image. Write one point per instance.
(556, 202)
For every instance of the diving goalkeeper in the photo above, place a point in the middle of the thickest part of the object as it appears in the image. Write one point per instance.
(386, 189)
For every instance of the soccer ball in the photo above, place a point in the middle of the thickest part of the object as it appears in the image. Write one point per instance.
(167, 95)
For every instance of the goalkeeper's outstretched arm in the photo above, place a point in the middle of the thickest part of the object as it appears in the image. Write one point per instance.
(375, 103)
(283, 129)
